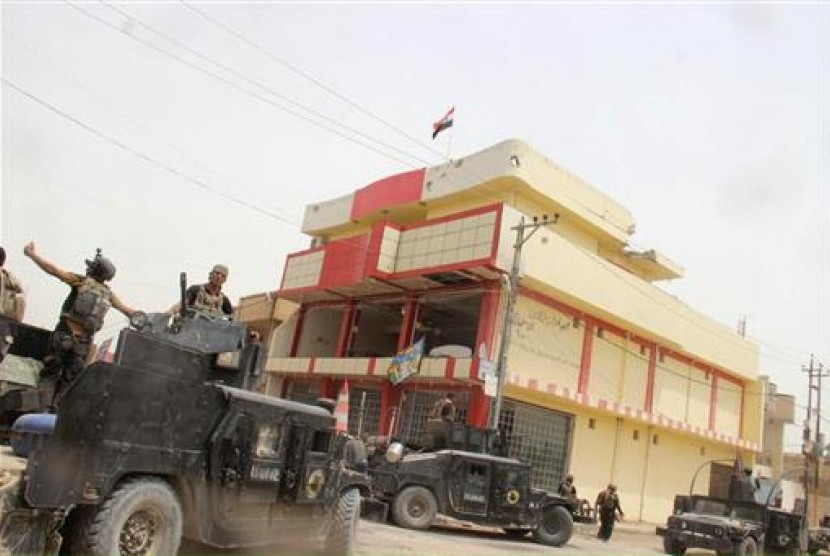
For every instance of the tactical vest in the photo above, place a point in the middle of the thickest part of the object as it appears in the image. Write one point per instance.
(92, 301)
(208, 303)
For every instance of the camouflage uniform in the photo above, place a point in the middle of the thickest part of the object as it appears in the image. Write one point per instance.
(607, 506)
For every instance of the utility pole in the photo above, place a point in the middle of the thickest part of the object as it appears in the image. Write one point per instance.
(512, 294)
(813, 446)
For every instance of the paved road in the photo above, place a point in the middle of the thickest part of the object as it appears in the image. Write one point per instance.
(376, 539)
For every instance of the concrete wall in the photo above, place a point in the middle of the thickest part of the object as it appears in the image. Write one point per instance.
(604, 289)
(648, 472)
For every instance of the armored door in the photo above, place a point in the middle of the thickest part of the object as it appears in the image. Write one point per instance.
(470, 487)
(511, 491)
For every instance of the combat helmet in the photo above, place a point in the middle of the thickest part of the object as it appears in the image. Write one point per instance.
(100, 268)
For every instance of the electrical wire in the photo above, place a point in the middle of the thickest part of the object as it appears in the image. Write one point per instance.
(147, 158)
(233, 85)
(273, 57)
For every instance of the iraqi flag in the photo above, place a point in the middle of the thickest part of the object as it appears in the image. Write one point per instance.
(443, 123)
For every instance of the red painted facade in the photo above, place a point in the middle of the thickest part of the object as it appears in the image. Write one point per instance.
(399, 189)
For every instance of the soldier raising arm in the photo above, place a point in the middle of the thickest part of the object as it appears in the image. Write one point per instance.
(81, 316)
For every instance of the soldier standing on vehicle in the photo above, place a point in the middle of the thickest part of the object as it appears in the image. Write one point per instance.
(12, 299)
(208, 298)
(82, 315)
(608, 504)
(444, 409)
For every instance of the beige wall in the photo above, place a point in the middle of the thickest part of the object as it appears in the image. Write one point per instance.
(635, 376)
(605, 289)
(648, 475)
(545, 346)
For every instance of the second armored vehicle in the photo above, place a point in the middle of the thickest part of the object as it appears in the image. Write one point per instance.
(471, 486)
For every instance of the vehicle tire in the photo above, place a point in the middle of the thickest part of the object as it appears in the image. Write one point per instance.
(555, 527)
(515, 533)
(140, 517)
(342, 530)
(749, 547)
(673, 546)
(414, 508)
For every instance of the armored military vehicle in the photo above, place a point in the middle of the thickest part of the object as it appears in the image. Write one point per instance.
(744, 523)
(166, 442)
(22, 347)
(468, 484)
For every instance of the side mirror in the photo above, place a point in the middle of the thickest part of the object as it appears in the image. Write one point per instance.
(394, 452)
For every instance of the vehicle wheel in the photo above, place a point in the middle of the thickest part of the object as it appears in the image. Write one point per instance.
(414, 508)
(673, 546)
(555, 528)
(141, 517)
(515, 533)
(748, 547)
(343, 527)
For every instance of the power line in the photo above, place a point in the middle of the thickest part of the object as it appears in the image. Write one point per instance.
(270, 55)
(147, 158)
(238, 87)
(101, 100)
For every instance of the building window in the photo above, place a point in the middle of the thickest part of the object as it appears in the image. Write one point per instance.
(662, 357)
(600, 332)
(703, 450)
(576, 322)
(636, 435)
(655, 440)
(592, 423)
(642, 349)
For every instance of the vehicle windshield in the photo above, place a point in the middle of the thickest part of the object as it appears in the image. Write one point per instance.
(724, 509)
(710, 507)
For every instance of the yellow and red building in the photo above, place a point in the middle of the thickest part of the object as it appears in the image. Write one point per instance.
(608, 377)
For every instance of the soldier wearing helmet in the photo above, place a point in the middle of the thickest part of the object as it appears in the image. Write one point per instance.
(82, 315)
(208, 298)
(607, 506)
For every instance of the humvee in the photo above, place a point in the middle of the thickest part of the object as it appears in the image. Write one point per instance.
(473, 486)
(166, 442)
(745, 523)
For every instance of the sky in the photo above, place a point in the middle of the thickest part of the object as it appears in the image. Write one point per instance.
(175, 136)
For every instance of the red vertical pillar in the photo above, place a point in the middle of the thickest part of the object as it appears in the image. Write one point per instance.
(478, 407)
(487, 320)
(295, 342)
(410, 313)
(585, 362)
(713, 402)
(741, 416)
(345, 334)
(650, 374)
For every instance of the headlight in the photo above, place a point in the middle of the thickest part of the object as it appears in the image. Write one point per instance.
(314, 483)
(394, 452)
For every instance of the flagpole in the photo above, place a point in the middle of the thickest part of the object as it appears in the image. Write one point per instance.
(449, 145)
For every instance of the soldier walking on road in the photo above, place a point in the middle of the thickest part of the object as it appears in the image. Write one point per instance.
(607, 505)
